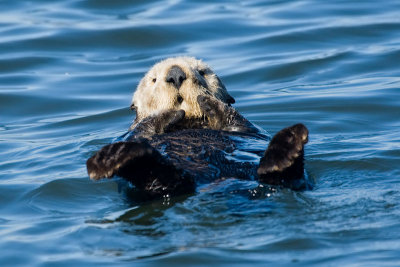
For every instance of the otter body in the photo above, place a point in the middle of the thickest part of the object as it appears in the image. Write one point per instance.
(186, 133)
(209, 154)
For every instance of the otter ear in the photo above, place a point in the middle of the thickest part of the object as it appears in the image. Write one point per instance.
(134, 109)
(137, 119)
(228, 99)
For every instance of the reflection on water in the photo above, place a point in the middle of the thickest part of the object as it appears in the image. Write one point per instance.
(67, 72)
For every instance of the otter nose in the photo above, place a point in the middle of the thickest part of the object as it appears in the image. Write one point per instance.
(176, 76)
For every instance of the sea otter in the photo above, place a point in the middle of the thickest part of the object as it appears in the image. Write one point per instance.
(187, 133)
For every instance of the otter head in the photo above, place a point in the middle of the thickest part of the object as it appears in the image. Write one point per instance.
(175, 83)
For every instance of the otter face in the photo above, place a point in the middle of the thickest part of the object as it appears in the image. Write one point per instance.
(175, 83)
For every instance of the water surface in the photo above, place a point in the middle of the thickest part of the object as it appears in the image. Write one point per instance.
(67, 72)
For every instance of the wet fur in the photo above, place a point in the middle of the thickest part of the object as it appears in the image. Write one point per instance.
(171, 148)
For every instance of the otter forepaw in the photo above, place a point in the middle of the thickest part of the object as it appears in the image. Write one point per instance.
(223, 117)
(167, 119)
(215, 111)
(211, 107)
(283, 161)
(158, 123)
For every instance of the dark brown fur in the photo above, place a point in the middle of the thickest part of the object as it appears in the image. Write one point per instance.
(168, 154)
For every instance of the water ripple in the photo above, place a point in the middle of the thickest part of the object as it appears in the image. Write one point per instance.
(67, 72)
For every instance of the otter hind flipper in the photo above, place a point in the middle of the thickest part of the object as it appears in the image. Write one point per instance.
(111, 159)
(143, 166)
(283, 161)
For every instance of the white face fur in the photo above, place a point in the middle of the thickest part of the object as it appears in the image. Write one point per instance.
(155, 93)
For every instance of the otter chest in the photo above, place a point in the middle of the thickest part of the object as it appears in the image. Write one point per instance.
(212, 155)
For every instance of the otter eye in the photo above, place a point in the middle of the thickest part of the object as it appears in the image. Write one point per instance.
(202, 73)
(154, 80)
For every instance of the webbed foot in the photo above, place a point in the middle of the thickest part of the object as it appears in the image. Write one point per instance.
(283, 161)
(143, 166)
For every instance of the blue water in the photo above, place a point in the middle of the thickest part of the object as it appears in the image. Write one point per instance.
(67, 72)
